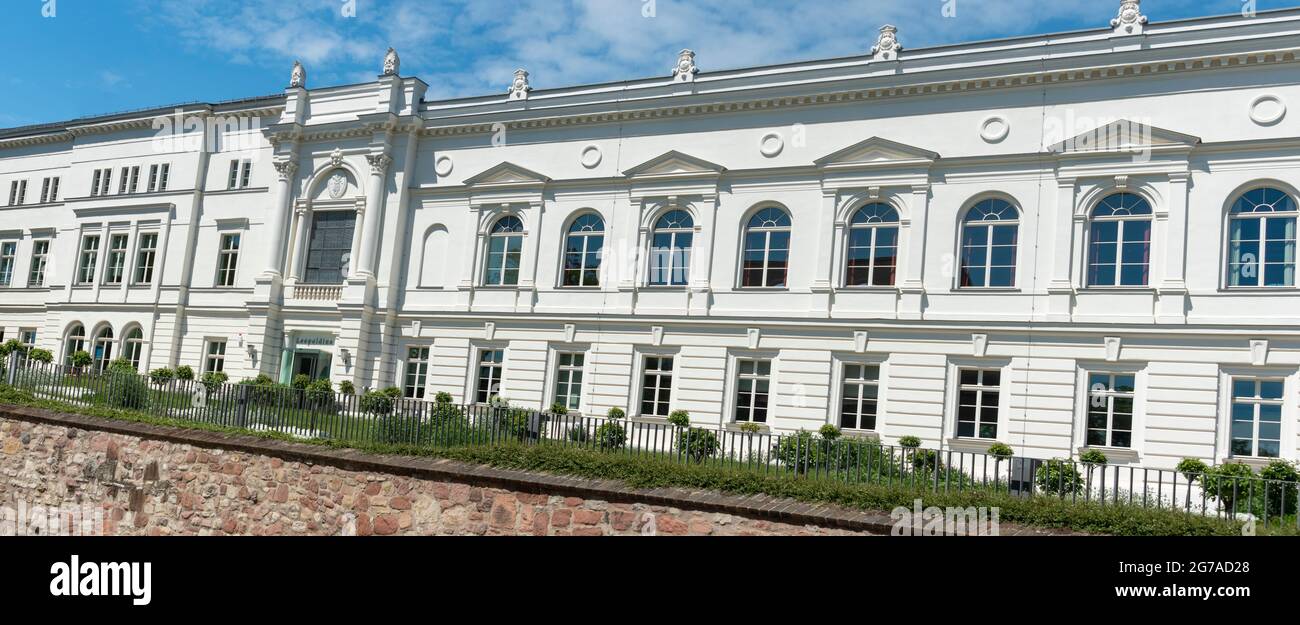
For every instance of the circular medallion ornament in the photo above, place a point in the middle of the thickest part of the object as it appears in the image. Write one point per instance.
(1267, 110)
(443, 166)
(591, 156)
(994, 129)
(771, 144)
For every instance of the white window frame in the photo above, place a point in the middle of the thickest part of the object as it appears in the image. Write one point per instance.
(24, 334)
(133, 349)
(952, 397)
(422, 363)
(638, 378)
(9, 260)
(587, 236)
(838, 362)
(553, 371)
(50, 189)
(472, 379)
(227, 277)
(1287, 444)
(733, 384)
(963, 224)
(110, 253)
(39, 263)
(1137, 441)
(140, 251)
(209, 357)
(87, 259)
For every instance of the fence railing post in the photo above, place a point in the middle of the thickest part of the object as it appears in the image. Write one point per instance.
(11, 371)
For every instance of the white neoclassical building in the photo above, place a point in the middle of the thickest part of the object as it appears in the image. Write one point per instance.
(1058, 242)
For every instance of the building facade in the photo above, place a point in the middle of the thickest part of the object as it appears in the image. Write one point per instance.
(1084, 240)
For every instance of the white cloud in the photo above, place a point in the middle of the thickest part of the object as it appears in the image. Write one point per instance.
(471, 47)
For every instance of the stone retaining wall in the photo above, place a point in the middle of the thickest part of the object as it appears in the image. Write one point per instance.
(152, 480)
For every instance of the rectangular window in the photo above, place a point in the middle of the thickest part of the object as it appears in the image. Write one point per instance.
(36, 273)
(215, 359)
(417, 371)
(158, 177)
(657, 386)
(1110, 409)
(753, 387)
(126, 177)
(102, 181)
(50, 190)
(977, 404)
(232, 181)
(568, 380)
(861, 395)
(228, 260)
(246, 174)
(22, 192)
(144, 258)
(8, 254)
(491, 365)
(86, 260)
(1257, 417)
(330, 247)
(135, 180)
(28, 337)
(115, 266)
(13, 193)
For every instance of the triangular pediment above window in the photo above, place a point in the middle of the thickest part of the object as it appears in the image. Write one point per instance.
(674, 163)
(507, 174)
(1124, 135)
(876, 151)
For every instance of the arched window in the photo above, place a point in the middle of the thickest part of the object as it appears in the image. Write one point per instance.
(767, 249)
(133, 346)
(670, 249)
(505, 248)
(76, 342)
(1119, 242)
(988, 245)
(434, 257)
(582, 251)
(103, 353)
(1261, 239)
(872, 258)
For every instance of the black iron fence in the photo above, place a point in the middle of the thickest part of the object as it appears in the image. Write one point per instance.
(378, 418)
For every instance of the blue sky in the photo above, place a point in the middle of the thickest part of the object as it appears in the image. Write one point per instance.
(103, 56)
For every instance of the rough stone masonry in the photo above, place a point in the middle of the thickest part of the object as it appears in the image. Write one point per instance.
(157, 481)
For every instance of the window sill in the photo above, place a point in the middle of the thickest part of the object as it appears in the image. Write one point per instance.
(762, 289)
(970, 445)
(1114, 454)
(869, 289)
(1118, 289)
(1254, 462)
(985, 289)
(1258, 290)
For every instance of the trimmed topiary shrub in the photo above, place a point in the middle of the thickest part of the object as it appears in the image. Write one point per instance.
(616, 413)
(1229, 484)
(346, 387)
(376, 403)
(911, 442)
(559, 409)
(698, 443)
(749, 427)
(161, 376)
(1001, 451)
(320, 393)
(680, 418)
(1093, 456)
(830, 432)
(1280, 493)
(1058, 477)
(126, 389)
(185, 373)
(11, 346)
(213, 380)
(41, 355)
(611, 436)
(81, 360)
(300, 381)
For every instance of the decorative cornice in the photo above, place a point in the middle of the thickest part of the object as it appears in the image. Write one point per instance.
(846, 96)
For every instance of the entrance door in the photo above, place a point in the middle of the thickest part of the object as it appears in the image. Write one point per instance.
(305, 365)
